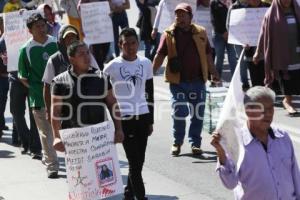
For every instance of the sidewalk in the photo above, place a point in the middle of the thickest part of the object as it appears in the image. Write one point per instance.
(25, 179)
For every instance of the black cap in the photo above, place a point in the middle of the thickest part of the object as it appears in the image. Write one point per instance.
(35, 17)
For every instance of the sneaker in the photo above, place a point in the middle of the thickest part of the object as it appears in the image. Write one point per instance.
(175, 149)
(36, 156)
(196, 150)
(52, 174)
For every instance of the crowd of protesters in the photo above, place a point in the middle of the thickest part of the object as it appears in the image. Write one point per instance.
(55, 58)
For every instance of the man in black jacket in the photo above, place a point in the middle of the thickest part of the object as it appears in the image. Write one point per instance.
(59, 61)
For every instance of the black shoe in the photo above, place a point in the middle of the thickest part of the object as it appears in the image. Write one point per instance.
(245, 87)
(52, 174)
(6, 128)
(36, 156)
(1, 133)
(16, 144)
(128, 195)
(127, 198)
(24, 150)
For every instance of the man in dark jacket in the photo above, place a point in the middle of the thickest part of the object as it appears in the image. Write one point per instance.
(219, 9)
(59, 61)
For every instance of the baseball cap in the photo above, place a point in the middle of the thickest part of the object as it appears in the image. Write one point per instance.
(185, 7)
(68, 31)
(35, 17)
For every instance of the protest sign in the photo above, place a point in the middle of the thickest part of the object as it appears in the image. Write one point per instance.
(244, 25)
(202, 18)
(96, 22)
(233, 118)
(92, 165)
(168, 15)
(15, 35)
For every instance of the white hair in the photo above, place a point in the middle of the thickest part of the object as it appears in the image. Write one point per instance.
(255, 93)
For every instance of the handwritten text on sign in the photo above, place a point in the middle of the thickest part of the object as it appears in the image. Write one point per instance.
(96, 22)
(16, 34)
(168, 14)
(92, 165)
(244, 26)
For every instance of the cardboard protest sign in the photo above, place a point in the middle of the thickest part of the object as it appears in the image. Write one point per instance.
(244, 25)
(96, 22)
(168, 15)
(233, 118)
(92, 165)
(16, 35)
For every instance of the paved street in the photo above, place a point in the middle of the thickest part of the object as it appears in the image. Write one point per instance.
(166, 177)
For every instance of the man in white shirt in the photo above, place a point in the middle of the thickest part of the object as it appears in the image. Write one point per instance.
(132, 80)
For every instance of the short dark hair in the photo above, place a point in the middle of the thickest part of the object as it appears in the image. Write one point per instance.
(72, 49)
(35, 17)
(127, 32)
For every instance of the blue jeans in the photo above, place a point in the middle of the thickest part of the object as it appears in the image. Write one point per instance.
(220, 45)
(188, 98)
(118, 20)
(3, 98)
(244, 65)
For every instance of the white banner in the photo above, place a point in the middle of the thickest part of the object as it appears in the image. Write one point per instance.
(244, 25)
(15, 35)
(96, 22)
(92, 165)
(202, 18)
(168, 15)
(233, 118)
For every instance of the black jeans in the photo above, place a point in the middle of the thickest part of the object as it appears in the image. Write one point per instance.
(118, 20)
(3, 98)
(136, 131)
(29, 138)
